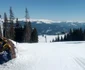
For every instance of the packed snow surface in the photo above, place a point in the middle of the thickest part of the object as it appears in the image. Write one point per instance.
(48, 56)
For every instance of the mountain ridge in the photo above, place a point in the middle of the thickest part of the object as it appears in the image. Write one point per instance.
(51, 21)
(49, 27)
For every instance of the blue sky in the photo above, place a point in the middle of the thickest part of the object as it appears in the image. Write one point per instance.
(61, 10)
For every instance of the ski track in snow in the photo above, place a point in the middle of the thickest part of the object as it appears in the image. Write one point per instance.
(48, 56)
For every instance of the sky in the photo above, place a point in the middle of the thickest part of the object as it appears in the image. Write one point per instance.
(61, 10)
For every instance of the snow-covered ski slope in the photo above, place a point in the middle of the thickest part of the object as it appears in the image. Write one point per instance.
(49, 37)
(48, 56)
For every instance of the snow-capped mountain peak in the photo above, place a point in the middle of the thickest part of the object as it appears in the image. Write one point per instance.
(47, 21)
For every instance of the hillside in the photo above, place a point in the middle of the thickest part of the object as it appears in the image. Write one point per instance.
(48, 56)
(53, 27)
(50, 27)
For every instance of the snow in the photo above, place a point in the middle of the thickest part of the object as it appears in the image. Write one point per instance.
(1, 26)
(49, 37)
(47, 21)
(48, 56)
(39, 21)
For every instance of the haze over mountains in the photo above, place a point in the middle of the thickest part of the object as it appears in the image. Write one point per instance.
(50, 27)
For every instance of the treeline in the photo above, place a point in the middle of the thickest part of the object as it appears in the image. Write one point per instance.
(15, 31)
(73, 35)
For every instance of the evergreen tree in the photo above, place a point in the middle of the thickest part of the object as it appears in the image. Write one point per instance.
(27, 32)
(26, 15)
(73, 35)
(84, 35)
(34, 36)
(27, 28)
(11, 29)
(11, 15)
(53, 40)
(58, 38)
(61, 38)
(5, 26)
(17, 23)
(0, 32)
(65, 38)
(18, 32)
(70, 35)
(81, 34)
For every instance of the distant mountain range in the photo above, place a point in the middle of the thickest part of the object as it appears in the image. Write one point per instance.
(53, 27)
